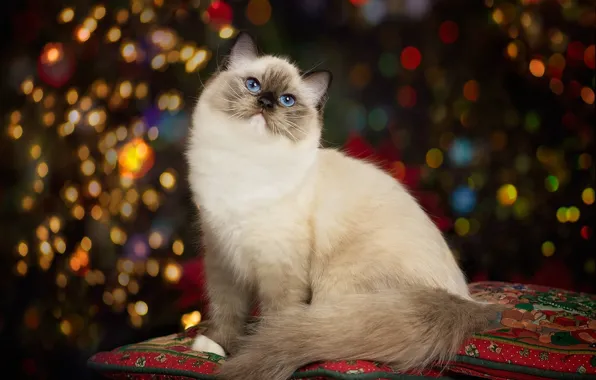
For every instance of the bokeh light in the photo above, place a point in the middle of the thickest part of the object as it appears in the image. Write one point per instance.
(406, 96)
(507, 195)
(463, 200)
(258, 11)
(471, 90)
(548, 248)
(588, 196)
(190, 319)
(172, 272)
(590, 57)
(135, 158)
(218, 13)
(448, 32)
(537, 68)
(434, 158)
(462, 226)
(551, 183)
(461, 152)
(66, 15)
(410, 58)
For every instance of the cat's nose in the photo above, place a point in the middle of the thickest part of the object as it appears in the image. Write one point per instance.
(266, 100)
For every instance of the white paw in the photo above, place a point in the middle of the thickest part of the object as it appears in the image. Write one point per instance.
(204, 344)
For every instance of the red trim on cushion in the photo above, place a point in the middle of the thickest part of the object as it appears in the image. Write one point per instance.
(544, 333)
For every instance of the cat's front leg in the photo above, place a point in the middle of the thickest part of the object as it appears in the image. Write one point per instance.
(229, 304)
(280, 288)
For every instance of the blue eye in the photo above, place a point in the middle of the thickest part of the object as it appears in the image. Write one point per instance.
(287, 100)
(253, 85)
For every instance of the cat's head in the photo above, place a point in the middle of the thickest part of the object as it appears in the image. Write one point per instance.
(268, 92)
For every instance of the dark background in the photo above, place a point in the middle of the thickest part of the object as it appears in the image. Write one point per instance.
(484, 109)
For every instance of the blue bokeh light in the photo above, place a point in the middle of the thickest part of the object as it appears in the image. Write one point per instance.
(463, 200)
(461, 152)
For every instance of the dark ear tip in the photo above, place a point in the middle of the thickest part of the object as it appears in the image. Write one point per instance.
(243, 35)
(330, 77)
(327, 73)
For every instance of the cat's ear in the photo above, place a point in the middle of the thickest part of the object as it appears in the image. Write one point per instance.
(317, 83)
(243, 51)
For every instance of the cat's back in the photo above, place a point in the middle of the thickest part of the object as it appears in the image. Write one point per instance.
(360, 203)
(350, 191)
(356, 176)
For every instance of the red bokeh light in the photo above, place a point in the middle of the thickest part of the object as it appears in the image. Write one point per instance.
(398, 170)
(55, 64)
(358, 2)
(574, 89)
(585, 232)
(569, 120)
(410, 58)
(590, 57)
(448, 32)
(219, 13)
(575, 51)
(471, 90)
(406, 96)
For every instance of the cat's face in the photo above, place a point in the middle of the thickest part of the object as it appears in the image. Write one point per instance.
(269, 93)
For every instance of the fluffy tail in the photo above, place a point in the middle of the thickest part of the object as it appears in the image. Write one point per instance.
(409, 329)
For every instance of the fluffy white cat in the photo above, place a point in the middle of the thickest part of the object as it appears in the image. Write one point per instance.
(343, 262)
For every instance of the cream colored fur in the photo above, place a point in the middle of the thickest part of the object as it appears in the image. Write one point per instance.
(323, 242)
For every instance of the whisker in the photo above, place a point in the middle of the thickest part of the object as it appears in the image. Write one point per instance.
(289, 132)
(228, 83)
(312, 68)
(201, 81)
(298, 128)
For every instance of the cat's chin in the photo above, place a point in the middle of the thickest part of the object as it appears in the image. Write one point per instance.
(258, 121)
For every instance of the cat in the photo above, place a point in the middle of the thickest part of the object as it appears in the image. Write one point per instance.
(343, 262)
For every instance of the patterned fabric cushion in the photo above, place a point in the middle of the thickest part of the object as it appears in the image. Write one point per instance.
(544, 333)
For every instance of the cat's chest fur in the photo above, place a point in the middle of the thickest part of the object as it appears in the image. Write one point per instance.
(235, 171)
(253, 197)
(255, 242)
(266, 239)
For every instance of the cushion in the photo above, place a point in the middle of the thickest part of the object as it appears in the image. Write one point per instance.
(544, 333)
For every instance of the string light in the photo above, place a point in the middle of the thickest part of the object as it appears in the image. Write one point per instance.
(548, 248)
(156, 240)
(135, 158)
(588, 196)
(99, 12)
(178, 247)
(410, 58)
(22, 249)
(141, 308)
(152, 267)
(507, 195)
(471, 90)
(66, 15)
(190, 319)
(448, 32)
(197, 61)
(21, 268)
(82, 34)
(113, 34)
(66, 327)
(227, 31)
(537, 68)
(258, 11)
(167, 180)
(172, 272)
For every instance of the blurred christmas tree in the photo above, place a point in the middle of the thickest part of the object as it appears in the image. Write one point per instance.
(511, 136)
(484, 109)
(97, 209)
